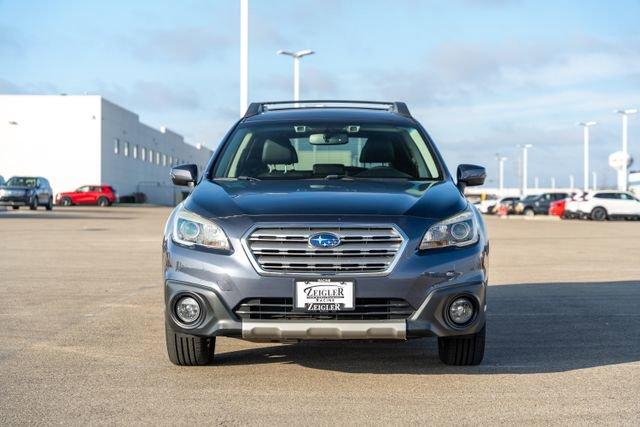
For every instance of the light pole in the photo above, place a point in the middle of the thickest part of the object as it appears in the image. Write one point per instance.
(572, 183)
(553, 182)
(525, 149)
(501, 161)
(623, 182)
(536, 182)
(244, 56)
(586, 126)
(296, 68)
(594, 178)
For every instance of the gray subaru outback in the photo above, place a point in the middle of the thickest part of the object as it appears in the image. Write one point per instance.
(325, 220)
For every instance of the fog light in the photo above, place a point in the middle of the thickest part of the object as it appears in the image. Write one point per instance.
(461, 311)
(188, 310)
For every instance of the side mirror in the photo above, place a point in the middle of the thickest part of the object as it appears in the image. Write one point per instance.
(184, 174)
(470, 175)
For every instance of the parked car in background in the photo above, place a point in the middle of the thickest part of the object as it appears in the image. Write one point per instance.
(570, 207)
(508, 202)
(486, 203)
(603, 205)
(538, 205)
(101, 195)
(32, 191)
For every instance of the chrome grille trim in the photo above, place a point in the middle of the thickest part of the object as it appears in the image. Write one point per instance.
(283, 249)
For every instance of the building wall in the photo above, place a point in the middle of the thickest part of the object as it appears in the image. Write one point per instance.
(57, 137)
(144, 155)
(70, 141)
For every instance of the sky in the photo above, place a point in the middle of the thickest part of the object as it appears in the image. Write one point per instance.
(482, 76)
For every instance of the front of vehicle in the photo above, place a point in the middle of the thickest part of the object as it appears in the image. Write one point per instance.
(19, 191)
(326, 226)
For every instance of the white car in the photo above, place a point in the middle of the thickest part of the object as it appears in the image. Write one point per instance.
(487, 204)
(602, 205)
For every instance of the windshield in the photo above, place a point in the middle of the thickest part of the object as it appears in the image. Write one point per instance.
(18, 181)
(327, 150)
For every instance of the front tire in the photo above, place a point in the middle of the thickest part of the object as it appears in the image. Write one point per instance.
(103, 202)
(189, 350)
(529, 212)
(33, 204)
(49, 205)
(599, 214)
(66, 201)
(463, 350)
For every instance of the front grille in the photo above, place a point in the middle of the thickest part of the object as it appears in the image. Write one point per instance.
(362, 249)
(282, 309)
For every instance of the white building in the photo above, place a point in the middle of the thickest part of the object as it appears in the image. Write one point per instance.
(83, 140)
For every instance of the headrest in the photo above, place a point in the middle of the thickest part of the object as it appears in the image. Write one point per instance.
(324, 169)
(377, 151)
(279, 152)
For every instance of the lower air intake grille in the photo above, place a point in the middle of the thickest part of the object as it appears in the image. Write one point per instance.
(282, 309)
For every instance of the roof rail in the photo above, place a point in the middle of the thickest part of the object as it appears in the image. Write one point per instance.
(256, 108)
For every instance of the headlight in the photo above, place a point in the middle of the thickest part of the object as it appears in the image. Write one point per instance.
(459, 230)
(190, 229)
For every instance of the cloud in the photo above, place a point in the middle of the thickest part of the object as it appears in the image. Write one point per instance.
(181, 45)
(43, 88)
(10, 88)
(10, 43)
(264, 33)
(469, 71)
(321, 82)
(152, 96)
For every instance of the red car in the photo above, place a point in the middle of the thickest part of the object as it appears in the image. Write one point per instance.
(557, 208)
(101, 195)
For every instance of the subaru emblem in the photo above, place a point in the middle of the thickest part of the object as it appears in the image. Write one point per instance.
(324, 240)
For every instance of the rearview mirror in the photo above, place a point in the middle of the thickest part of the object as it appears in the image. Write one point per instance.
(470, 175)
(184, 174)
(328, 139)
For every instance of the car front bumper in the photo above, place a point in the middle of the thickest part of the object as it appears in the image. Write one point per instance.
(428, 320)
(428, 282)
(14, 200)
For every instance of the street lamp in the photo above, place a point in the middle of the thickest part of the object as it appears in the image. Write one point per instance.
(525, 149)
(553, 182)
(244, 56)
(296, 68)
(585, 126)
(623, 182)
(501, 161)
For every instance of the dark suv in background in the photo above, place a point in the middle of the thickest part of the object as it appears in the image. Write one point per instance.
(26, 191)
(325, 220)
(539, 204)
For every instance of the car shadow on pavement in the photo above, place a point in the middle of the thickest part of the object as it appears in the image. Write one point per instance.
(532, 328)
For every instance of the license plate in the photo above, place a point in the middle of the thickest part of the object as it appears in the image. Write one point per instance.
(323, 295)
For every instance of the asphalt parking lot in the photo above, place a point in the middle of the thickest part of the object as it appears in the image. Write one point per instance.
(82, 338)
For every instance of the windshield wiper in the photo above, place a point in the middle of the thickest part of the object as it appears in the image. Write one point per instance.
(247, 178)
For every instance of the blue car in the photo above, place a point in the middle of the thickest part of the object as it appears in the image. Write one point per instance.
(325, 220)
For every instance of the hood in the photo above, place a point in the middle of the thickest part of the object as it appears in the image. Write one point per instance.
(336, 197)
